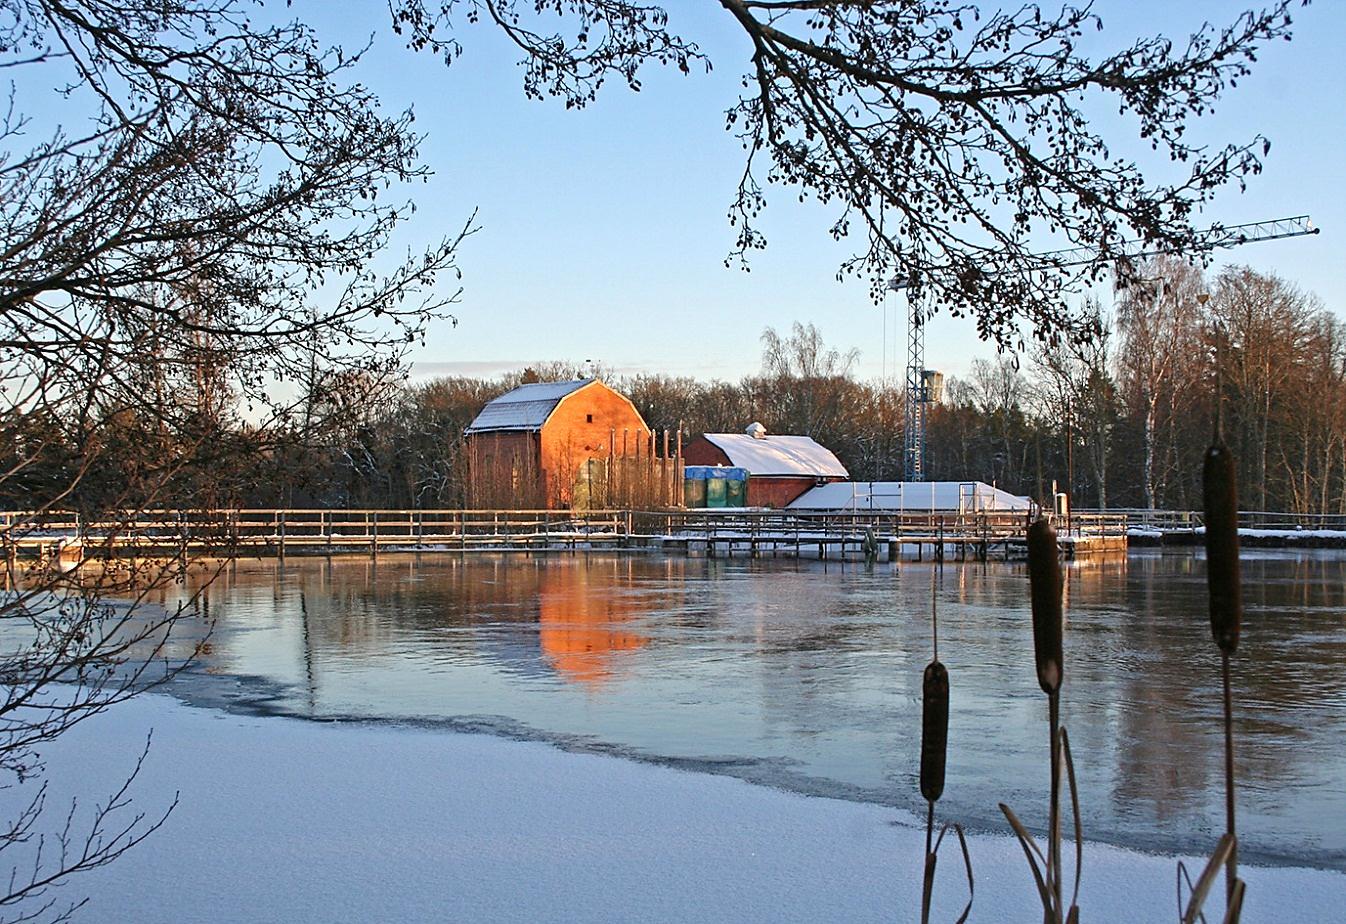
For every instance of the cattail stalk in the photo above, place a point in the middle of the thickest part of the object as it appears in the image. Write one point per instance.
(1220, 490)
(934, 755)
(1223, 580)
(1045, 584)
(934, 730)
(934, 744)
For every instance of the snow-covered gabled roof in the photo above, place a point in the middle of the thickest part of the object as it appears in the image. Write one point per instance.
(914, 496)
(526, 407)
(779, 455)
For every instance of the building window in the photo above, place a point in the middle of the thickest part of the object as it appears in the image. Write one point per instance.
(588, 418)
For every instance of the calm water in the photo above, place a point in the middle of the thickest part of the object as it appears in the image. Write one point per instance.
(790, 674)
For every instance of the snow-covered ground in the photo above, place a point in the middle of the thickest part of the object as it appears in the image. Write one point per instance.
(291, 821)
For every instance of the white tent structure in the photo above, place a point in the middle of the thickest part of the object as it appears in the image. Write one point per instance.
(911, 497)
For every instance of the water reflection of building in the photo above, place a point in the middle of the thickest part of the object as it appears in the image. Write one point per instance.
(533, 618)
(583, 620)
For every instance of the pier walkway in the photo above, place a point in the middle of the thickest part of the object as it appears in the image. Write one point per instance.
(880, 535)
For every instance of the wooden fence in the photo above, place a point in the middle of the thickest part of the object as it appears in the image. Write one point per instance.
(314, 530)
(1165, 520)
(320, 531)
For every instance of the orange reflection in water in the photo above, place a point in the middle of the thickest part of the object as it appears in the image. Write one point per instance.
(580, 615)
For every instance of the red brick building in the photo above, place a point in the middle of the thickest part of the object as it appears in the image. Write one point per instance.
(554, 445)
(780, 468)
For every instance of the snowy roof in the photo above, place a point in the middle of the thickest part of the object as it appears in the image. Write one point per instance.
(965, 496)
(778, 455)
(526, 407)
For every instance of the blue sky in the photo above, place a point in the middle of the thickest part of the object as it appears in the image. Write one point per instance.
(603, 232)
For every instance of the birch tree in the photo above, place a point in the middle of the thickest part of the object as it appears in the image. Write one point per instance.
(1159, 320)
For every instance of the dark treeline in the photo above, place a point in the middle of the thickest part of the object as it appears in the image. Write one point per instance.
(1120, 418)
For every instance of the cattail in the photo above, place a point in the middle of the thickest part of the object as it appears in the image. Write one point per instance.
(1222, 546)
(934, 729)
(1045, 583)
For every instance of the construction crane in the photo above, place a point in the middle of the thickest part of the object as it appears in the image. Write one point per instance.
(924, 384)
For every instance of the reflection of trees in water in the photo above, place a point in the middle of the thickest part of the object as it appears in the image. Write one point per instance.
(1287, 675)
(831, 657)
(1169, 753)
(826, 666)
(1291, 667)
(1290, 675)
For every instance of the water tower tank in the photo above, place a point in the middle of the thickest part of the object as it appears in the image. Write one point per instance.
(933, 382)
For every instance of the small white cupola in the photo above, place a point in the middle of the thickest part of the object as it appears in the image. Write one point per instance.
(756, 431)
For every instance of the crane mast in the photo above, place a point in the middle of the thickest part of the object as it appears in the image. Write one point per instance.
(920, 384)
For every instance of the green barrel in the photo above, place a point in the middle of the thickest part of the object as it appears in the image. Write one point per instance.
(736, 492)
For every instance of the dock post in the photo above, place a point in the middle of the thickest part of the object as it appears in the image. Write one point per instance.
(374, 535)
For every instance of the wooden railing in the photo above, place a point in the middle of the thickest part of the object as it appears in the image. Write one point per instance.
(282, 530)
(321, 530)
(1142, 518)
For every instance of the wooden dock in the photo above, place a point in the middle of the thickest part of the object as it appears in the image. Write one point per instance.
(879, 536)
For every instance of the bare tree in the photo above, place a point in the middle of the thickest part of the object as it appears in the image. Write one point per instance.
(998, 390)
(1263, 326)
(1077, 394)
(198, 228)
(1159, 319)
(809, 381)
(803, 355)
(952, 140)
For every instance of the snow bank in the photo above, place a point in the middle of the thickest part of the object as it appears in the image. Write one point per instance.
(291, 821)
